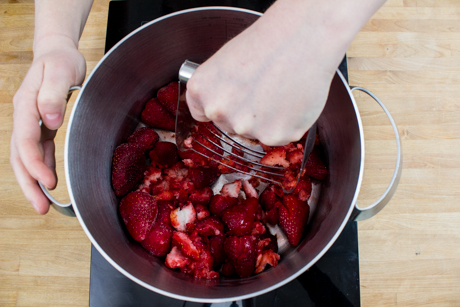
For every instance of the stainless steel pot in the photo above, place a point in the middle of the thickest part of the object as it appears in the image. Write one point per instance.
(107, 111)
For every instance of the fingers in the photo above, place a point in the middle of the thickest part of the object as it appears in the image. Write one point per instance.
(28, 185)
(52, 97)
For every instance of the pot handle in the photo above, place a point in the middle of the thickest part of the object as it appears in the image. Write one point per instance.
(65, 209)
(362, 214)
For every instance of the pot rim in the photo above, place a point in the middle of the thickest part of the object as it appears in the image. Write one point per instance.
(204, 299)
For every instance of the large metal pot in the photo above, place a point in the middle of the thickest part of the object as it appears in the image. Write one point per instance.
(107, 110)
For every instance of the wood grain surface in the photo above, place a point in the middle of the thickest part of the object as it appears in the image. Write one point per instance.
(408, 54)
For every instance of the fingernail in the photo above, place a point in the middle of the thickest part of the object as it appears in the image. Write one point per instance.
(53, 119)
(35, 207)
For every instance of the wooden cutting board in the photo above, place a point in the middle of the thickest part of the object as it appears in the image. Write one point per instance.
(408, 54)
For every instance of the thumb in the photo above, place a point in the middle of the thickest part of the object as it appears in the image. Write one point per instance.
(52, 97)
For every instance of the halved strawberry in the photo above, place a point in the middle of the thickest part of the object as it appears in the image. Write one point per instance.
(128, 166)
(164, 154)
(242, 253)
(239, 219)
(157, 116)
(145, 138)
(293, 216)
(139, 211)
(168, 96)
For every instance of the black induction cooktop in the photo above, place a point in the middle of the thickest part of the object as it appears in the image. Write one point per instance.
(332, 281)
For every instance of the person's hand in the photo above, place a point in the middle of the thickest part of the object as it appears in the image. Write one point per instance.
(57, 66)
(271, 82)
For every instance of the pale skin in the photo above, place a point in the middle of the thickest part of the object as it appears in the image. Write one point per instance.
(268, 83)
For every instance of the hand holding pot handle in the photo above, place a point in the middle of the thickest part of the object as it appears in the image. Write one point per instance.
(362, 214)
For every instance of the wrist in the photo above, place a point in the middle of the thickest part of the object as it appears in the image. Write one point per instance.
(323, 29)
(52, 41)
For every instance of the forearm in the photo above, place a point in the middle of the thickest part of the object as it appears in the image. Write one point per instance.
(326, 28)
(59, 21)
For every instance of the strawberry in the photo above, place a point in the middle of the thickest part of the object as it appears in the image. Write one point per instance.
(176, 259)
(295, 155)
(268, 198)
(303, 189)
(138, 211)
(180, 218)
(242, 253)
(201, 197)
(158, 241)
(231, 189)
(164, 154)
(151, 176)
(168, 96)
(239, 219)
(203, 176)
(249, 190)
(128, 166)
(157, 116)
(216, 247)
(220, 203)
(271, 243)
(186, 245)
(293, 216)
(315, 167)
(264, 258)
(144, 138)
(202, 212)
(210, 226)
(275, 157)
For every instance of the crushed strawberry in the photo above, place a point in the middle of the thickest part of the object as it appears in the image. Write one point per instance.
(315, 166)
(266, 257)
(174, 213)
(201, 197)
(231, 189)
(164, 154)
(180, 217)
(275, 157)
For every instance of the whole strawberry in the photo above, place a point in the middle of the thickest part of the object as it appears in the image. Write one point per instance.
(139, 211)
(158, 241)
(128, 166)
(239, 219)
(157, 116)
(293, 216)
(168, 96)
(145, 138)
(242, 254)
